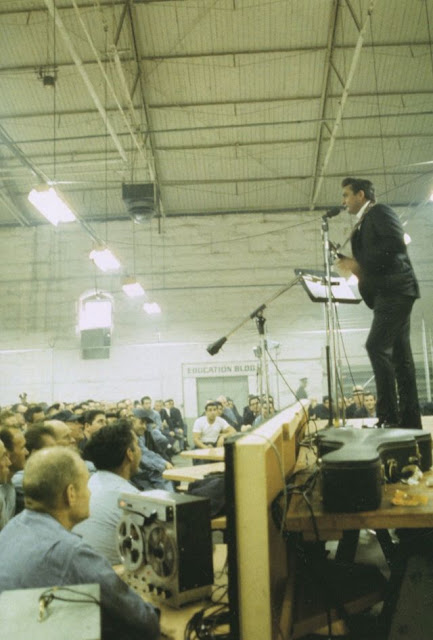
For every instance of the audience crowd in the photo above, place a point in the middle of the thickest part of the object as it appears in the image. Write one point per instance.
(63, 467)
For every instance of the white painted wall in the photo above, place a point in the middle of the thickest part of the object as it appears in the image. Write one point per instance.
(208, 274)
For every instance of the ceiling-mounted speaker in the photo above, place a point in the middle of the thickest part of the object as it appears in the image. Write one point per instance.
(95, 343)
(140, 200)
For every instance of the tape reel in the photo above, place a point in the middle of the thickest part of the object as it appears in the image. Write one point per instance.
(131, 543)
(161, 552)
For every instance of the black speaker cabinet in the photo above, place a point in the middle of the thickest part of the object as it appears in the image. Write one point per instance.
(165, 541)
(95, 343)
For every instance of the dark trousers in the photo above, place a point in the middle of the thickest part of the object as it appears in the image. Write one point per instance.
(388, 347)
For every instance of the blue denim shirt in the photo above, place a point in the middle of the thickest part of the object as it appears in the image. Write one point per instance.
(37, 551)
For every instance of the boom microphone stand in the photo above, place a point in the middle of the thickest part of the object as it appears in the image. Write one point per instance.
(213, 348)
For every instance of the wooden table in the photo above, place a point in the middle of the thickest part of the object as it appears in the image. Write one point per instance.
(387, 516)
(332, 525)
(210, 453)
(196, 472)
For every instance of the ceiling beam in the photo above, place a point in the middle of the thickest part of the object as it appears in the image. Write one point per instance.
(332, 29)
(219, 145)
(342, 103)
(84, 4)
(34, 68)
(191, 105)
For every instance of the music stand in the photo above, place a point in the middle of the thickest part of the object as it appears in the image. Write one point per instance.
(316, 285)
(330, 290)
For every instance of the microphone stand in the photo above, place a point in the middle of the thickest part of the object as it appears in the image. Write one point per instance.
(331, 356)
(213, 348)
(264, 373)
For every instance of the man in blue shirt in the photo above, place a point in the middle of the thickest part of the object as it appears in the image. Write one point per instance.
(37, 548)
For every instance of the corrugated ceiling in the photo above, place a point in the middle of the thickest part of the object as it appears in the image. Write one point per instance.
(228, 105)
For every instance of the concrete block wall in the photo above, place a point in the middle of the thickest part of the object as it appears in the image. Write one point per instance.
(207, 273)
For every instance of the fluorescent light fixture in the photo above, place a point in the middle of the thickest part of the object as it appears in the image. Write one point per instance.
(151, 308)
(95, 313)
(132, 288)
(104, 259)
(48, 202)
(407, 239)
(431, 197)
(352, 280)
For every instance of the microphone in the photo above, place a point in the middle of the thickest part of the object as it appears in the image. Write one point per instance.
(332, 212)
(213, 348)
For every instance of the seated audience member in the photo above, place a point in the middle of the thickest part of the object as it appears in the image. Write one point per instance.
(62, 433)
(10, 419)
(251, 411)
(15, 443)
(231, 405)
(177, 420)
(34, 414)
(357, 401)
(152, 464)
(154, 438)
(267, 412)
(174, 434)
(227, 413)
(53, 409)
(116, 454)
(74, 422)
(146, 403)
(210, 430)
(322, 411)
(5, 463)
(37, 437)
(368, 410)
(93, 420)
(46, 553)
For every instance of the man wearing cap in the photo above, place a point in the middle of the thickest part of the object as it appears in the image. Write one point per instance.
(152, 464)
(301, 391)
(357, 401)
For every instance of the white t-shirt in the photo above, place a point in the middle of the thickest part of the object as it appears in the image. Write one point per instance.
(209, 432)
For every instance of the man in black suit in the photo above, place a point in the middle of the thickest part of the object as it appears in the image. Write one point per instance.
(388, 285)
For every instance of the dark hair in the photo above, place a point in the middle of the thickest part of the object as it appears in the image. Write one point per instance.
(210, 404)
(251, 398)
(35, 436)
(107, 447)
(28, 416)
(7, 438)
(91, 414)
(145, 398)
(55, 406)
(360, 184)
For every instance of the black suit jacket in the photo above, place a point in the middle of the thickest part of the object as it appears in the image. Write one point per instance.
(378, 246)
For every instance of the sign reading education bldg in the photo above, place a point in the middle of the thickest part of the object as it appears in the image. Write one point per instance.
(223, 369)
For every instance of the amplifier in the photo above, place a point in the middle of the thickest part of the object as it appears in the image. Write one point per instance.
(165, 541)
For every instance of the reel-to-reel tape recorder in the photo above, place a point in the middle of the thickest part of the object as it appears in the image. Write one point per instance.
(165, 541)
